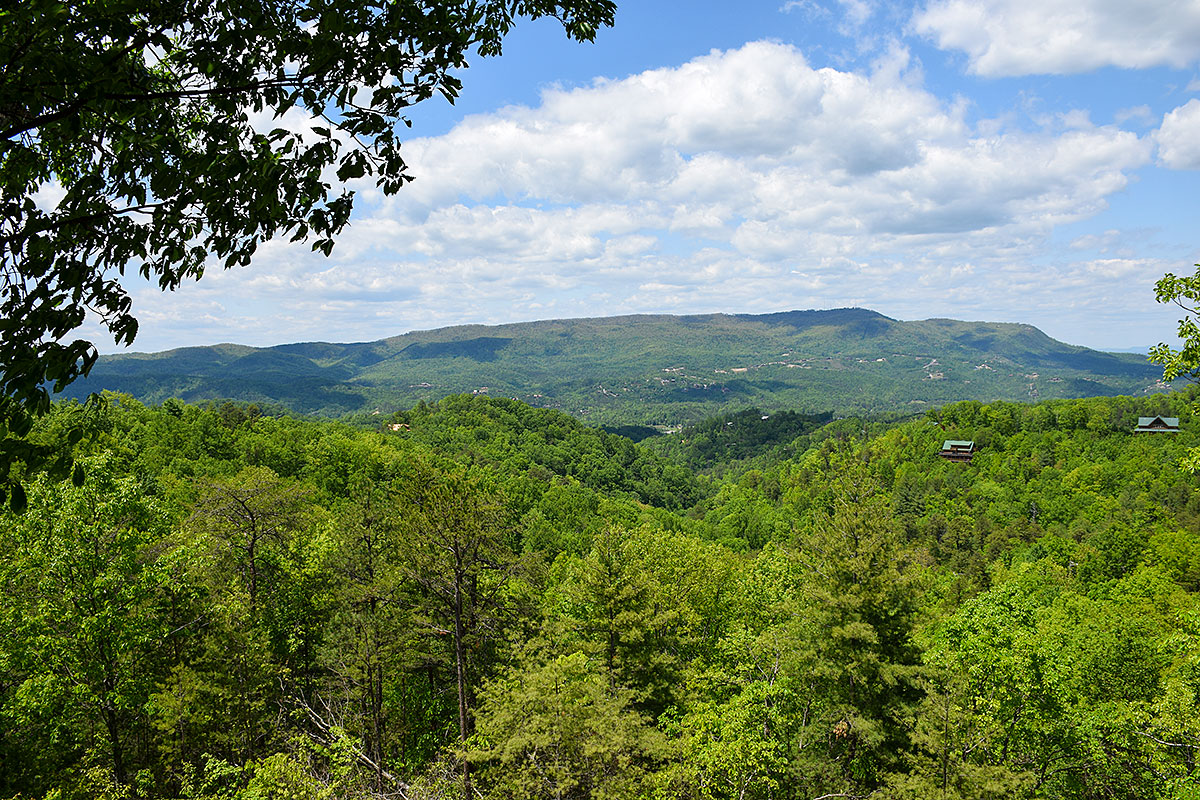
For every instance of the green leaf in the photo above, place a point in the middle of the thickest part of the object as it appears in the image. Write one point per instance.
(180, 140)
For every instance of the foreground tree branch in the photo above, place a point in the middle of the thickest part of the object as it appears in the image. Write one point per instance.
(149, 105)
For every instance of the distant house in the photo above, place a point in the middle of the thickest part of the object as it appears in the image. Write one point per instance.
(1157, 425)
(953, 450)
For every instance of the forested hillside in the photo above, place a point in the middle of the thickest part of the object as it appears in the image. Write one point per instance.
(476, 598)
(647, 369)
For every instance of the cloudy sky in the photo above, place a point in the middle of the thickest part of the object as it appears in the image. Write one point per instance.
(1002, 160)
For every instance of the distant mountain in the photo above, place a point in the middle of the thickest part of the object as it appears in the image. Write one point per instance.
(656, 369)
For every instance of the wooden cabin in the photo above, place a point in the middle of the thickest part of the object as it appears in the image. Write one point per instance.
(954, 450)
(1157, 425)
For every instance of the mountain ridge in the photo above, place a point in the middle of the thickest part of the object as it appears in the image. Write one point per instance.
(658, 368)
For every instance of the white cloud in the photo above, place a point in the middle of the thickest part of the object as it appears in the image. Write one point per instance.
(810, 7)
(1105, 242)
(752, 148)
(1017, 37)
(1141, 114)
(856, 12)
(49, 195)
(1179, 137)
(745, 180)
(851, 15)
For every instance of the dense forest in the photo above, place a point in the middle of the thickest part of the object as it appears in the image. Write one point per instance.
(477, 598)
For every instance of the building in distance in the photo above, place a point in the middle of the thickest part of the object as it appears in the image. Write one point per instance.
(955, 450)
(1157, 425)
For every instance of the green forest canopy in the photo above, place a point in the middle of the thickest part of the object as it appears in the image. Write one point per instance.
(240, 605)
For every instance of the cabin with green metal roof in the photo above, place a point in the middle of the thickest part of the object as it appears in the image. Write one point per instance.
(1157, 425)
(956, 450)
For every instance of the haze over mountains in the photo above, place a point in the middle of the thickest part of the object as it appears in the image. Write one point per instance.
(647, 368)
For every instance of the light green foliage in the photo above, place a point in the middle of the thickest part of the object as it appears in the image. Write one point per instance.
(604, 600)
(1061, 687)
(1175, 720)
(241, 605)
(561, 729)
(945, 761)
(641, 603)
(1183, 362)
(565, 517)
(84, 638)
(730, 748)
(1064, 487)
(536, 441)
(1178, 553)
(744, 516)
(750, 654)
(1185, 293)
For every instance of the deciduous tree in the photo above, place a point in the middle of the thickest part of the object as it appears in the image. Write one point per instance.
(1183, 362)
(455, 549)
(84, 636)
(560, 730)
(156, 127)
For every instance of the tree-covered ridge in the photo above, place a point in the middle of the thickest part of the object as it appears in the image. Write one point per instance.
(514, 435)
(742, 437)
(477, 597)
(648, 369)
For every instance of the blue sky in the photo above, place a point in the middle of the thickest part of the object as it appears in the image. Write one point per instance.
(997, 160)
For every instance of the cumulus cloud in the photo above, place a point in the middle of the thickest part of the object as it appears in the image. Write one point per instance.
(1179, 137)
(744, 180)
(1016, 37)
(49, 195)
(1141, 114)
(753, 150)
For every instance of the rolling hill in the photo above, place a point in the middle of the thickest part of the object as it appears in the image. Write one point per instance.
(657, 369)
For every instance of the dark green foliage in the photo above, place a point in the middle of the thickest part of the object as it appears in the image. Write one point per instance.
(636, 433)
(740, 436)
(523, 438)
(483, 348)
(142, 114)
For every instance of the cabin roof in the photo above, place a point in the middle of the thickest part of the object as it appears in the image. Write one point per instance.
(1170, 422)
(954, 444)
